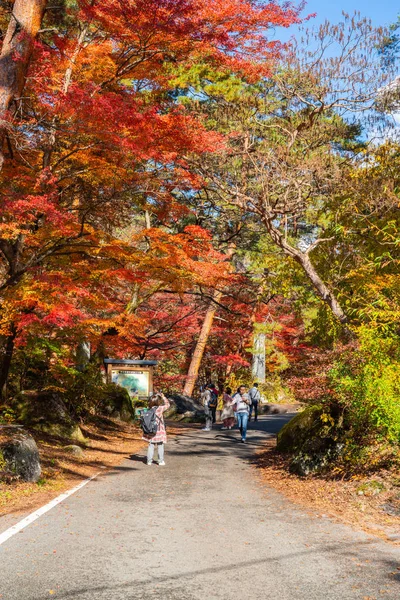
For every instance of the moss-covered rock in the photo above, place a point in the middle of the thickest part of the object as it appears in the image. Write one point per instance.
(117, 403)
(70, 431)
(47, 412)
(311, 462)
(299, 429)
(313, 439)
(74, 450)
(32, 406)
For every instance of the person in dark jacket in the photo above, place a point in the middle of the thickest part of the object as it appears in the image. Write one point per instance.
(255, 396)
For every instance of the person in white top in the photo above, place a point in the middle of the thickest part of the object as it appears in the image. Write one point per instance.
(242, 407)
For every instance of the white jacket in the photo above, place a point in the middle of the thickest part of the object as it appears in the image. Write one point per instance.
(241, 405)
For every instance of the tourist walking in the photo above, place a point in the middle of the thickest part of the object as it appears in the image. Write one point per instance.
(214, 402)
(228, 415)
(206, 398)
(159, 403)
(242, 405)
(255, 396)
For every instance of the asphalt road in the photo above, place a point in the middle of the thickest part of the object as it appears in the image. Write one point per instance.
(202, 527)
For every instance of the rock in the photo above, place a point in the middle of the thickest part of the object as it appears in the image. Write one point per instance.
(391, 509)
(189, 416)
(32, 406)
(127, 412)
(75, 450)
(172, 412)
(312, 444)
(277, 409)
(46, 411)
(310, 464)
(186, 406)
(117, 403)
(293, 435)
(71, 431)
(21, 456)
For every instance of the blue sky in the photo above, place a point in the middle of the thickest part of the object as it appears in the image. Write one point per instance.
(382, 12)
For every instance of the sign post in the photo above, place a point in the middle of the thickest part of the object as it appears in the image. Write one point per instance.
(136, 376)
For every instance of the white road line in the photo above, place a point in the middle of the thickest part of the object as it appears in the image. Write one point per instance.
(38, 513)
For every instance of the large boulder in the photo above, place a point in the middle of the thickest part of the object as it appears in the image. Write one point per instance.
(47, 412)
(32, 406)
(68, 430)
(314, 446)
(118, 403)
(184, 405)
(20, 455)
(277, 409)
(294, 434)
(311, 462)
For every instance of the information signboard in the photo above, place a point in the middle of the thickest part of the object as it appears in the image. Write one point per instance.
(136, 376)
(136, 382)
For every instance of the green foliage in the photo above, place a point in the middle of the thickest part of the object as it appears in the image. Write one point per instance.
(2, 461)
(42, 482)
(370, 488)
(7, 415)
(321, 327)
(202, 81)
(45, 365)
(367, 384)
(274, 390)
(82, 390)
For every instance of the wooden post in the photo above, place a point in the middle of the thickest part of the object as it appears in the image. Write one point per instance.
(201, 345)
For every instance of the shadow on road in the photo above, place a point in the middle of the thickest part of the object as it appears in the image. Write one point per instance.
(348, 551)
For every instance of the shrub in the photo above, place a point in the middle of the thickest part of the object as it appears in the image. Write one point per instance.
(367, 384)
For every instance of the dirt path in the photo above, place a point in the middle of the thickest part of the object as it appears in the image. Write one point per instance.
(202, 527)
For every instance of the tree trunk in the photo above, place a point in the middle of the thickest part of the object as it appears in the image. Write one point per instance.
(83, 355)
(15, 57)
(201, 345)
(304, 260)
(321, 288)
(258, 363)
(6, 362)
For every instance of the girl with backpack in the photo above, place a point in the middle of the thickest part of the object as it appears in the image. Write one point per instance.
(159, 404)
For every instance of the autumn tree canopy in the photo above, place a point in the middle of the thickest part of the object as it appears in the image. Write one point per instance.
(93, 144)
(176, 184)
